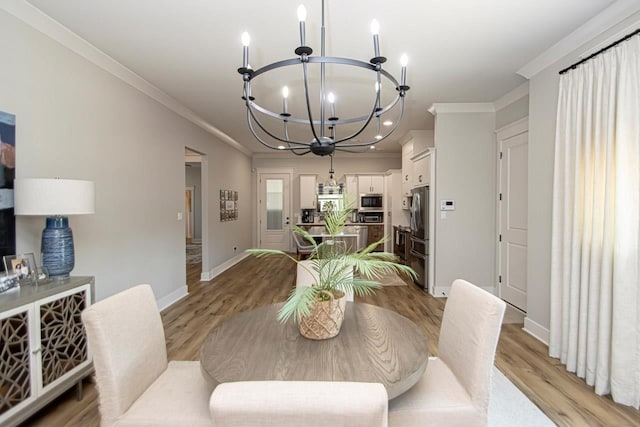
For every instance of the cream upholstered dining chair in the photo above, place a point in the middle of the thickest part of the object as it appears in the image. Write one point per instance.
(299, 403)
(136, 385)
(454, 390)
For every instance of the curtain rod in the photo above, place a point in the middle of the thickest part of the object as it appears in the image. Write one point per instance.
(617, 42)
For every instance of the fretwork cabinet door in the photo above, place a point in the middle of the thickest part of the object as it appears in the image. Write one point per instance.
(17, 379)
(61, 345)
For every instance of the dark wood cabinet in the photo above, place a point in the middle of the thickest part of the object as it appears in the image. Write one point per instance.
(376, 232)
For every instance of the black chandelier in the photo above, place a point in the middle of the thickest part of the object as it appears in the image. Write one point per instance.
(325, 132)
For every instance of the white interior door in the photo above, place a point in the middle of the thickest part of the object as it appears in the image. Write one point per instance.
(512, 279)
(274, 211)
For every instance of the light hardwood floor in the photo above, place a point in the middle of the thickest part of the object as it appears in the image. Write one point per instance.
(565, 398)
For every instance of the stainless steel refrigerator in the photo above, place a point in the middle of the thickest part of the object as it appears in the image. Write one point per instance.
(419, 247)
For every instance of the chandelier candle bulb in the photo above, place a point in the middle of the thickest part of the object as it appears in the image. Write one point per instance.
(285, 95)
(403, 72)
(302, 16)
(332, 106)
(246, 39)
(375, 29)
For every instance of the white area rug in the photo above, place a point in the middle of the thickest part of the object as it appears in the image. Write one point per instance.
(510, 407)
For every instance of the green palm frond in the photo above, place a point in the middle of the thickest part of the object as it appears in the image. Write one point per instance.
(298, 304)
(336, 266)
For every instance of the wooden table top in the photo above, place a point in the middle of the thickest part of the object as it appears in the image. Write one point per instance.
(374, 345)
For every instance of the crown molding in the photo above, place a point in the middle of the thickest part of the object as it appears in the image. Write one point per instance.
(463, 107)
(511, 97)
(43, 23)
(606, 19)
(617, 36)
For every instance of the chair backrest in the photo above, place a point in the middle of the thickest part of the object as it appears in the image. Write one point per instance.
(126, 337)
(302, 244)
(468, 337)
(299, 403)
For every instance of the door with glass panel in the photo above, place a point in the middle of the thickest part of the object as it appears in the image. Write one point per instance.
(275, 214)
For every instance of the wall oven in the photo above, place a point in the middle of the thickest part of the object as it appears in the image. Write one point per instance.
(370, 202)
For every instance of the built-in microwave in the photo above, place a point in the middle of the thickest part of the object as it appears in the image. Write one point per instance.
(370, 202)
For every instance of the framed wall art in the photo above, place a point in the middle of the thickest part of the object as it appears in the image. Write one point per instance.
(228, 205)
(7, 175)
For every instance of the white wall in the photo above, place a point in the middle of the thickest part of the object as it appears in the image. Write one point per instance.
(543, 94)
(74, 120)
(465, 172)
(512, 112)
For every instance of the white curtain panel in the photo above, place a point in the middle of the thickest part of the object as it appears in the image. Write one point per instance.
(595, 266)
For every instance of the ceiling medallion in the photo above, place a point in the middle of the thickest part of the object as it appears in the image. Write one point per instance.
(322, 135)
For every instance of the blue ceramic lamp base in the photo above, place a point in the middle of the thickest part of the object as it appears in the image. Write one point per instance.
(58, 255)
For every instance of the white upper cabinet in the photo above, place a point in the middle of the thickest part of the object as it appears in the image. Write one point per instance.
(308, 191)
(422, 170)
(351, 187)
(370, 184)
(407, 168)
(416, 147)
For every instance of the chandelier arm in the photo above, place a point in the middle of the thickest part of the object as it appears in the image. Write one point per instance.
(365, 144)
(385, 110)
(255, 134)
(306, 93)
(364, 126)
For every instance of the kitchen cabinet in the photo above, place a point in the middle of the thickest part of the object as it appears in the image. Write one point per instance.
(351, 188)
(308, 191)
(375, 233)
(371, 184)
(422, 170)
(45, 349)
(407, 169)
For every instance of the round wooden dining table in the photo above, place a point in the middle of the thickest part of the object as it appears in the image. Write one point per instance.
(374, 345)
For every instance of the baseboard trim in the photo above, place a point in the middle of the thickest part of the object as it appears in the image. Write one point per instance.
(536, 330)
(209, 275)
(175, 296)
(441, 291)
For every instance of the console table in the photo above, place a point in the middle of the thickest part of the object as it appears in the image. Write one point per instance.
(374, 345)
(43, 346)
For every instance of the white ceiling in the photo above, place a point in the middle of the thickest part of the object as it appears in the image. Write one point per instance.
(459, 50)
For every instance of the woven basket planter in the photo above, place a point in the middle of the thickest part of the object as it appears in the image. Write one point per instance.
(325, 319)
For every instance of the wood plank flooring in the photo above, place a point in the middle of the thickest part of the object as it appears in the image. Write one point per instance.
(565, 398)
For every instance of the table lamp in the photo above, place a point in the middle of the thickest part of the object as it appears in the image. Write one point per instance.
(55, 198)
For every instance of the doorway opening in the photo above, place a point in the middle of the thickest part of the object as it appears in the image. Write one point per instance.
(193, 216)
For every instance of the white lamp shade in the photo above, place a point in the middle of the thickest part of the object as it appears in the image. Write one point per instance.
(48, 196)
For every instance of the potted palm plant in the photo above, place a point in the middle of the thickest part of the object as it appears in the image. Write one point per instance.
(337, 269)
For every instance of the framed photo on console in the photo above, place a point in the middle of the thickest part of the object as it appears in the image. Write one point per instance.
(23, 266)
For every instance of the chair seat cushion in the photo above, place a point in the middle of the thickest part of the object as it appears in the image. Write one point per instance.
(437, 399)
(178, 397)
